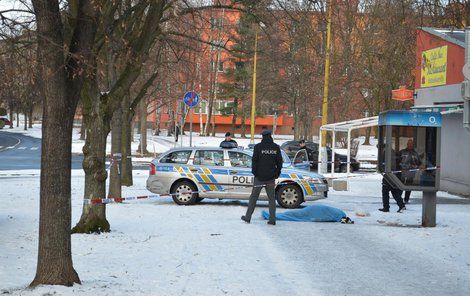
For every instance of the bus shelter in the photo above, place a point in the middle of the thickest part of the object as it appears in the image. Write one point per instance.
(345, 127)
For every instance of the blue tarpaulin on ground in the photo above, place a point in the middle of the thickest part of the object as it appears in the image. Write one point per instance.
(313, 213)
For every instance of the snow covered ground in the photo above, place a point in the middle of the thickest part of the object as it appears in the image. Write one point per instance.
(159, 248)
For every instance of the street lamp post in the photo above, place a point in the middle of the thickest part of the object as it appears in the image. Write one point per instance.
(253, 97)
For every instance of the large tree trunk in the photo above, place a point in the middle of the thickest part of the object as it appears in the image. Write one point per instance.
(142, 149)
(116, 140)
(367, 137)
(25, 116)
(234, 117)
(61, 95)
(243, 121)
(126, 163)
(93, 219)
(158, 114)
(55, 265)
(17, 118)
(30, 115)
(11, 116)
(171, 120)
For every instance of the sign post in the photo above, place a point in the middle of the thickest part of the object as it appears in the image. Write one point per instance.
(191, 99)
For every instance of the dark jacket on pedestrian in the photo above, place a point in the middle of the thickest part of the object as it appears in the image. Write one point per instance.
(228, 144)
(409, 160)
(266, 160)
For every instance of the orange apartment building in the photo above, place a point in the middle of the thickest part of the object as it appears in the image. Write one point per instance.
(214, 61)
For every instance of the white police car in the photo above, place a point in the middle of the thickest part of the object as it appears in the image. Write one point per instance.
(192, 174)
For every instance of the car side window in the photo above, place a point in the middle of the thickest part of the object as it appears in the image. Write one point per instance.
(180, 157)
(240, 160)
(209, 158)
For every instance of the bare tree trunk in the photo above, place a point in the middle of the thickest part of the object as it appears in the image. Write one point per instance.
(25, 120)
(158, 114)
(116, 144)
(367, 137)
(55, 265)
(142, 149)
(243, 131)
(171, 120)
(126, 162)
(61, 95)
(209, 116)
(30, 123)
(11, 116)
(93, 219)
(133, 128)
(234, 117)
(17, 118)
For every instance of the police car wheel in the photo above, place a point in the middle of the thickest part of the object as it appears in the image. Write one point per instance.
(289, 196)
(182, 193)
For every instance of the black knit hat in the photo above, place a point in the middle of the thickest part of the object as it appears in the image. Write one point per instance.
(228, 134)
(266, 132)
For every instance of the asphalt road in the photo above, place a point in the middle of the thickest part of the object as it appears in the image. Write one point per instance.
(20, 152)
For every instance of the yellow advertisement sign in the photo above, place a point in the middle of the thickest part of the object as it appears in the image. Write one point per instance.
(434, 67)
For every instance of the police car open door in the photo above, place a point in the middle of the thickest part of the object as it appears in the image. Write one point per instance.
(300, 160)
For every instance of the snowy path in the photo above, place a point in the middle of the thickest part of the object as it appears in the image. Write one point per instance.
(158, 248)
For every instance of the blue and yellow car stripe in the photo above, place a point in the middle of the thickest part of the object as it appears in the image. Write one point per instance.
(308, 188)
(205, 177)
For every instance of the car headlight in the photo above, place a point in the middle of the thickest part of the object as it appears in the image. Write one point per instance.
(313, 180)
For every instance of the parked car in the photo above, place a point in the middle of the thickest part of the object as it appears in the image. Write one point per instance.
(292, 147)
(4, 122)
(193, 173)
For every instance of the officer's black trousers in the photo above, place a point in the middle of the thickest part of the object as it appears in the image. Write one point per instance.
(258, 185)
(396, 193)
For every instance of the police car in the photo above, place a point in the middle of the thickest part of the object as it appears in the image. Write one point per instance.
(192, 174)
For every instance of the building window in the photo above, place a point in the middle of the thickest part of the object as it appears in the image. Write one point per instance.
(223, 107)
(201, 108)
(219, 68)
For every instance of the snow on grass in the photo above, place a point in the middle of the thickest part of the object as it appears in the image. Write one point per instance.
(159, 248)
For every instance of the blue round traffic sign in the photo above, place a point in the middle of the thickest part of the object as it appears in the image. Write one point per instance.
(191, 99)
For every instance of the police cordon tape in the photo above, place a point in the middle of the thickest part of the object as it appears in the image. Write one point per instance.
(434, 168)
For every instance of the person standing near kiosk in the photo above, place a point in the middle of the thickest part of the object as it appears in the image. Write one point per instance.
(388, 188)
(266, 168)
(409, 162)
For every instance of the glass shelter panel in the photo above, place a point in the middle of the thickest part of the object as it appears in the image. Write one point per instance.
(413, 155)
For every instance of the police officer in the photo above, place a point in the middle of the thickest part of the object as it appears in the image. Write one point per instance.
(228, 142)
(266, 167)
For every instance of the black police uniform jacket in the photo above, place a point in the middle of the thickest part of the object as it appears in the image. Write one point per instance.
(266, 160)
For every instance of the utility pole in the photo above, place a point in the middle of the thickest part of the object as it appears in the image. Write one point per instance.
(324, 119)
(253, 98)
